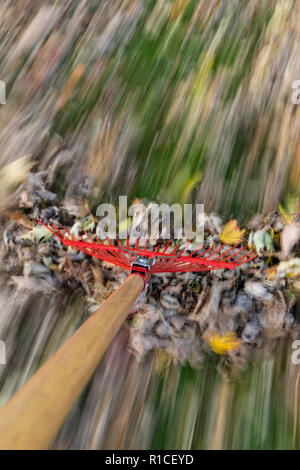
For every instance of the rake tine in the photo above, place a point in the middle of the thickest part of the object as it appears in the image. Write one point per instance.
(70, 235)
(98, 239)
(210, 254)
(137, 243)
(200, 254)
(247, 257)
(89, 237)
(104, 256)
(175, 249)
(166, 247)
(146, 243)
(119, 259)
(157, 248)
(57, 230)
(102, 242)
(109, 241)
(183, 249)
(123, 256)
(232, 253)
(241, 258)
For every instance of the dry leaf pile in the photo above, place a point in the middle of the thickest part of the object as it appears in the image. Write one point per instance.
(183, 316)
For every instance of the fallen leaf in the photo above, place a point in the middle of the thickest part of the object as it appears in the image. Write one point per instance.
(289, 236)
(261, 240)
(271, 272)
(296, 285)
(15, 173)
(289, 268)
(21, 219)
(231, 233)
(222, 344)
(38, 234)
(257, 290)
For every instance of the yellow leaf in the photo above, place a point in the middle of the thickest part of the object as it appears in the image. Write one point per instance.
(222, 344)
(231, 234)
(271, 272)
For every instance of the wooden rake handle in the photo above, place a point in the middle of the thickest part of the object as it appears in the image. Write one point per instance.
(32, 418)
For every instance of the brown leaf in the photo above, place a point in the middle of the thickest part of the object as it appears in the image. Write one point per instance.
(69, 86)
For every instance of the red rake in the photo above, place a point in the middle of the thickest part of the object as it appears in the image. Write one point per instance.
(143, 261)
(33, 416)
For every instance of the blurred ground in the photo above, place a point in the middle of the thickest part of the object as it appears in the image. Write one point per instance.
(170, 100)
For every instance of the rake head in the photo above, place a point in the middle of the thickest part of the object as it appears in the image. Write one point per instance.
(162, 259)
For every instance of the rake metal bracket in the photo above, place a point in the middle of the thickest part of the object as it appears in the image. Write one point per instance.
(142, 266)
